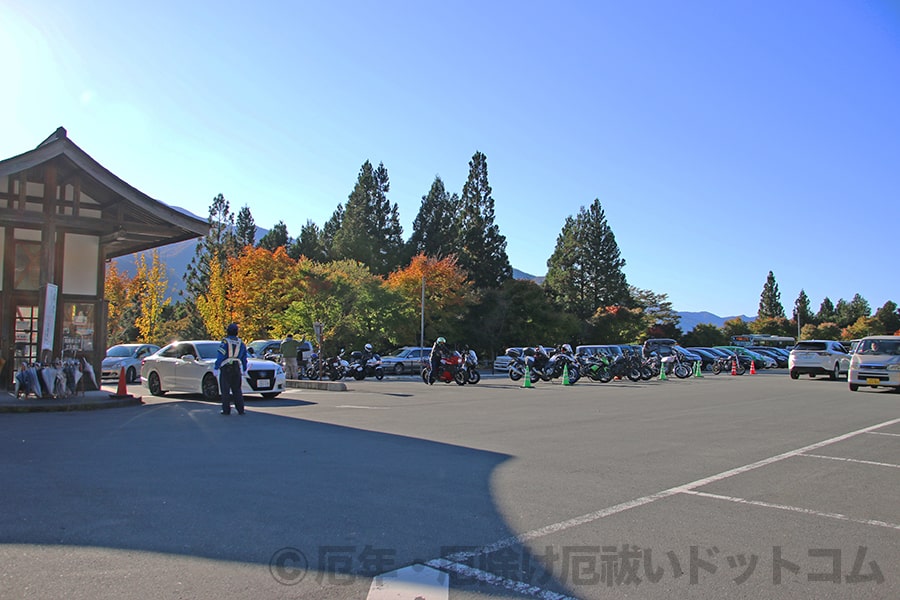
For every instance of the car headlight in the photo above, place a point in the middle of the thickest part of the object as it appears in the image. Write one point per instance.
(854, 361)
(279, 369)
(893, 367)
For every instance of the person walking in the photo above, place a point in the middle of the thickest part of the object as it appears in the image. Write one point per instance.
(230, 369)
(289, 349)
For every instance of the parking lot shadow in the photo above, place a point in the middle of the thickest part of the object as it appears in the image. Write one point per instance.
(181, 479)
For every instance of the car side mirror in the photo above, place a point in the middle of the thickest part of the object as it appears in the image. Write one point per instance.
(188, 358)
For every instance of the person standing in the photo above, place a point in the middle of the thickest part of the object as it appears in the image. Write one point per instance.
(289, 348)
(230, 368)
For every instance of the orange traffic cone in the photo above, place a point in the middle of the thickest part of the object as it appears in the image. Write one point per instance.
(734, 366)
(753, 367)
(122, 390)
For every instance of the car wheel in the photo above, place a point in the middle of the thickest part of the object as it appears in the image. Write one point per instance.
(836, 374)
(854, 387)
(210, 388)
(398, 369)
(795, 374)
(131, 375)
(154, 386)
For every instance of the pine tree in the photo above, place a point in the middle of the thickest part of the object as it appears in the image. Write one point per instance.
(329, 230)
(370, 230)
(481, 248)
(245, 228)
(218, 244)
(847, 313)
(770, 305)
(584, 272)
(308, 243)
(826, 312)
(434, 229)
(275, 238)
(802, 312)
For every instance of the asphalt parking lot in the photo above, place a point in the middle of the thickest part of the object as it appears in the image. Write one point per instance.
(752, 487)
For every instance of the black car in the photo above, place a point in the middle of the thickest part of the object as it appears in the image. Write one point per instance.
(781, 361)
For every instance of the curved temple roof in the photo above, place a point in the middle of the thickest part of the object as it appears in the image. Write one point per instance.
(91, 200)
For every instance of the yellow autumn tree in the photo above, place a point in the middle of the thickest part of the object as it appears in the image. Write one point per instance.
(214, 306)
(153, 284)
(115, 290)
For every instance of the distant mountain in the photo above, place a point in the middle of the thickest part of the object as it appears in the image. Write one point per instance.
(517, 274)
(689, 320)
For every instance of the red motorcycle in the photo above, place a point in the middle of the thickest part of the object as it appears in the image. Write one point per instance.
(451, 369)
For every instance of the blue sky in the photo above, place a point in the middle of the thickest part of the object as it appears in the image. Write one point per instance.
(723, 139)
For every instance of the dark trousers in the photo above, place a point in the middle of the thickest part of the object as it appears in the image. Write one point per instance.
(230, 388)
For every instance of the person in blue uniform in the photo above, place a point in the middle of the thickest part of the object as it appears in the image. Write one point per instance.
(231, 368)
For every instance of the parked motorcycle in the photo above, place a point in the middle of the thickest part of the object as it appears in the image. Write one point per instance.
(517, 364)
(622, 367)
(360, 367)
(313, 368)
(560, 362)
(725, 363)
(595, 367)
(470, 365)
(337, 367)
(450, 369)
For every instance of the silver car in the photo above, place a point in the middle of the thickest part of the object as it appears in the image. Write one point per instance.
(875, 363)
(408, 359)
(188, 367)
(128, 357)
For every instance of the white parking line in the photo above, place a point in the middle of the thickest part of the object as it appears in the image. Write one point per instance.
(517, 586)
(453, 562)
(796, 509)
(854, 460)
(618, 508)
(884, 433)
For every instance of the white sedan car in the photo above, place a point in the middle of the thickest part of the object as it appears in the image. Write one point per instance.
(188, 367)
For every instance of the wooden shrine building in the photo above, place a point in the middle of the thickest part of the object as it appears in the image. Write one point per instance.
(62, 217)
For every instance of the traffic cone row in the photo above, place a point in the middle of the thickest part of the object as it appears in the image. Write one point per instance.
(698, 369)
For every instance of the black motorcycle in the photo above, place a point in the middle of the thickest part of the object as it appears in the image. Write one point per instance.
(336, 367)
(560, 363)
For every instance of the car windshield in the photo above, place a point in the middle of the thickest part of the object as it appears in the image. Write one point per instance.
(879, 347)
(207, 349)
(257, 347)
(120, 352)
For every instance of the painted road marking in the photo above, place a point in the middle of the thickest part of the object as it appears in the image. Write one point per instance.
(455, 562)
(796, 509)
(854, 460)
(517, 586)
